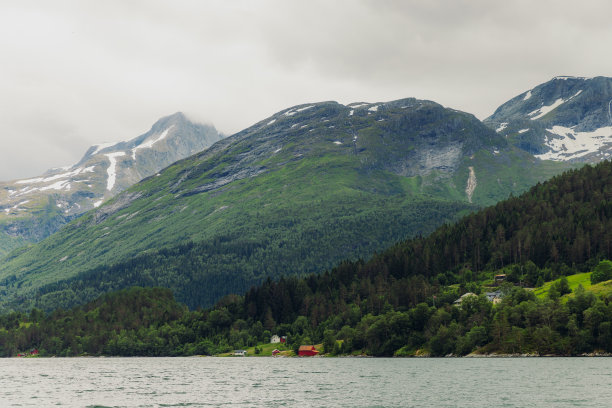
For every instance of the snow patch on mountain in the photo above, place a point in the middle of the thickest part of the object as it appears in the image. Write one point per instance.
(527, 95)
(565, 77)
(501, 127)
(546, 109)
(150, 142)
(39, 180)
(16, 206)
(305, 108)
(102, 146)
(60, 185)
(58, 182)
(567, 144)
(549, 108)
(112, 169)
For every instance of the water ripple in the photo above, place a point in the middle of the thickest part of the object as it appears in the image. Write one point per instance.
(321, 382)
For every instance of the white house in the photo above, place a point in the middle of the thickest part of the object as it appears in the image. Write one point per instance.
(466, 295)
(240, 353)
(275, 339)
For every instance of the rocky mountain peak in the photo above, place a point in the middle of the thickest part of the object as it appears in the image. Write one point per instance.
(105, 170)
(564, 119)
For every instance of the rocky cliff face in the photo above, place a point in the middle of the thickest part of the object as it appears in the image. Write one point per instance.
(34, 208)
(564, 119)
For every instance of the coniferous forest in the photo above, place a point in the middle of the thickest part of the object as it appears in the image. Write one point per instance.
(400, 302)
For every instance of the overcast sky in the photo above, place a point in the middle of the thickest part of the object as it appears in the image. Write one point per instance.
(77, 73)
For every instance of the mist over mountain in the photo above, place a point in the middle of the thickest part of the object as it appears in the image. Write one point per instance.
(32, 209)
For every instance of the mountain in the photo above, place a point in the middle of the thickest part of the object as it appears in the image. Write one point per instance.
(564, 119)
(293, 194)
(32, 209)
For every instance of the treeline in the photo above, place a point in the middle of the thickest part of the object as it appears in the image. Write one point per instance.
(564, 221)
(149, 322)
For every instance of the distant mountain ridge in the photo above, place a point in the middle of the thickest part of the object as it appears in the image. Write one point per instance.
(33, 208)
(295, 193)
(564, 119)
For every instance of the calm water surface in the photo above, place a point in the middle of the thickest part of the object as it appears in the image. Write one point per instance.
(315, 382)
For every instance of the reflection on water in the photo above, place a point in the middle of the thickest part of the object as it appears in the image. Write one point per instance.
(306, 382)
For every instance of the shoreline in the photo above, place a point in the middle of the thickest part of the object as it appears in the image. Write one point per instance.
(493, 355)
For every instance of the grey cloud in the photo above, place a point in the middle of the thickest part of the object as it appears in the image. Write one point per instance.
(76, 73)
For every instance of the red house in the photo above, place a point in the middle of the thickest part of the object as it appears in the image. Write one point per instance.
(307, 351)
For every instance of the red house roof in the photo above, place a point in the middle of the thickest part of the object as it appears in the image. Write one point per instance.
(307, 351)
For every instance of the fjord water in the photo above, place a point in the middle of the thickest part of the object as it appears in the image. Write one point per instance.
(314, 382)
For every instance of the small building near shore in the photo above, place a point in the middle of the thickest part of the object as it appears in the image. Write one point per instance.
(275, 352)
(307, 351)
(240, 353)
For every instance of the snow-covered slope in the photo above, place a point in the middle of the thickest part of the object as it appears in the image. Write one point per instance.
(106, 169)
(564, 119)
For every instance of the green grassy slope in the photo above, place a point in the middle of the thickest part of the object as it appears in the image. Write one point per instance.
(584, 279)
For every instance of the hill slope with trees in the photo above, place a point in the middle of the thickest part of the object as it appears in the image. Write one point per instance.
(400, 302)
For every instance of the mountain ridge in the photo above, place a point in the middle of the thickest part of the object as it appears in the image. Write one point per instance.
(33, 208)
(564, 119)
(293, 194)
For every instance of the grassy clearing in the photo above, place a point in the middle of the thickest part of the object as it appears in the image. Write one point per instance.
(265, 350)
(602, 288)
(583, 279)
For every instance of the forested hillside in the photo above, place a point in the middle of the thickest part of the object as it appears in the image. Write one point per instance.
(400, 302)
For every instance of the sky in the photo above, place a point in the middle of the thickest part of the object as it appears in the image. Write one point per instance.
(78, 73)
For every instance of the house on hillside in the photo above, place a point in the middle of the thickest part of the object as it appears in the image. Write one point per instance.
(499, 279)
(275, 339)
(307, 351)
(240, 353)
(462, 298)
(494, 297)
(283, 339)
